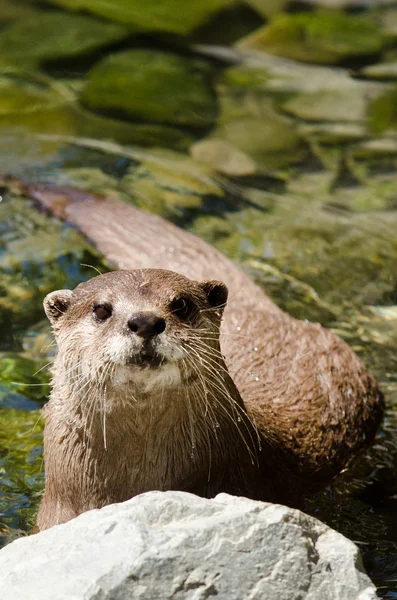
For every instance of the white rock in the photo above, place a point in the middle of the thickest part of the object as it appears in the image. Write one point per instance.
(176, 545)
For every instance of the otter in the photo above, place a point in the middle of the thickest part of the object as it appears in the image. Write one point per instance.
(265, 405)
(141, 396)
(143, 399)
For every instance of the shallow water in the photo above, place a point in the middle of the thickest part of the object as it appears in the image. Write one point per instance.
(287, 167)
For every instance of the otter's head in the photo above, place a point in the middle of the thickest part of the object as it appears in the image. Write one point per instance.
(135, 327)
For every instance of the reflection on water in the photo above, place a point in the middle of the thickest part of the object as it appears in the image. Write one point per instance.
(286, 166)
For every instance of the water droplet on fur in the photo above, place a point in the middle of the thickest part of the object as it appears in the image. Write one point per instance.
(192, 455)
(217, 425)
(255, 349)
(256, 378)
(238, 328)
(239, 419)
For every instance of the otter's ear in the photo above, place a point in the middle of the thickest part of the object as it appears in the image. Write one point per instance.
(216, 293)
(56, 304)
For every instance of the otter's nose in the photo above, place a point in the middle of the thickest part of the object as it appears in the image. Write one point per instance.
(146, 325)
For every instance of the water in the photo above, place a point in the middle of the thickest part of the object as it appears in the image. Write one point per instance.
(289, 168)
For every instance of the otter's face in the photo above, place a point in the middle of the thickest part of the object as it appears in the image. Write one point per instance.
(127, 325)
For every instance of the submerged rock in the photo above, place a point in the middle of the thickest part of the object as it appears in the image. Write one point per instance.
(151, 85)
(55, 35)
(334, 133)
(223, 157)
(175, 16)
(18, 97)
(386, 70)
(263, 100)
(347, 103)
(322, 37)
(249, 122)
(176, 545)
(169, 183)
(46, 106)
(268, 8)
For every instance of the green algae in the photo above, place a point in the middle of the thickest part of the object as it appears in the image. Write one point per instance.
(29, 268)
(24, 376)
(18, 96)
(382, 113)
(21, 473)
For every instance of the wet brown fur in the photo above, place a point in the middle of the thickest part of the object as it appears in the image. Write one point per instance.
(309, 395)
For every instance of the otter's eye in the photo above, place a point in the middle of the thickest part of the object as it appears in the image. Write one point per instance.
(182, 308)
(102, 312)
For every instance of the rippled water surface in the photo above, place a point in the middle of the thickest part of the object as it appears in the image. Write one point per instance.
(269, 133)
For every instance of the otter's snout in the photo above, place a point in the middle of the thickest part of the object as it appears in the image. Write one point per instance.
(146, 325)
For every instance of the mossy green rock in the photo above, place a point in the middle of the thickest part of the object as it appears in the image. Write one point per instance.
(56, 35)
(51, 107)
(382, 113)
(320, 37)
(175, 16)
(148, 85)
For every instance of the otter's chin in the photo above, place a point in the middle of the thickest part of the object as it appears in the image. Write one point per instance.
(146, 360)
(146, 376)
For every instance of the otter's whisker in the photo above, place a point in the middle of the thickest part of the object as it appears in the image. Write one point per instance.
(240, 368)
(21, 383)
(42, 368)
(226, 394)
(91, 267)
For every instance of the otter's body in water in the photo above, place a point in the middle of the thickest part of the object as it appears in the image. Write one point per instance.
(143, 398)
(310, 402)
